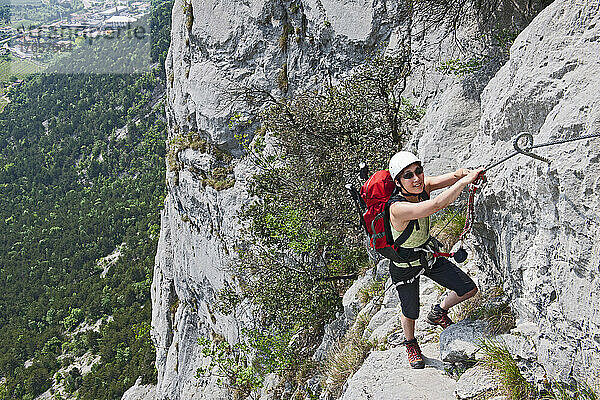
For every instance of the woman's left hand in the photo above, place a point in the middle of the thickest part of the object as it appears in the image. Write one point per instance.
(464, 172)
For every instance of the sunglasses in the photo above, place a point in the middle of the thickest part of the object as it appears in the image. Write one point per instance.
(410, 174)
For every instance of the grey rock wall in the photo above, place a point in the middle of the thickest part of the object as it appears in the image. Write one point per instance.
(538, 225)
(140, 392)
(541, 225)
(217, 46)
(190, 269)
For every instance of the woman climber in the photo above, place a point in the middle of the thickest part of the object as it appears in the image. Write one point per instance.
(409, 211)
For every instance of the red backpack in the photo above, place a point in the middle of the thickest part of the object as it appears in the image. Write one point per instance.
(376, 192)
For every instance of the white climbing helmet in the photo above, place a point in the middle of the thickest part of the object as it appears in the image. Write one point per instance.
(401, 160)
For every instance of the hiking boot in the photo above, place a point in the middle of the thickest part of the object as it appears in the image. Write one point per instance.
(415, 357)
(439, 316)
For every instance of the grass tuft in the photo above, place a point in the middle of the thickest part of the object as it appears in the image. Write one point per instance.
(285, 35)
(189, 15)
(373, 289)
(347, 357)
(220, 178)
(498, 359)
(196, 142)
(489, 307)
(282, 78)
(577, 391)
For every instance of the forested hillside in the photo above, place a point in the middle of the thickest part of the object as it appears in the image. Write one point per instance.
(81, 177)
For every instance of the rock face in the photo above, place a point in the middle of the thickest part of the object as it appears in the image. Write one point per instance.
(540, 224)
(475, 382)
(460, 342)
(537, 230)
(386, 375)
(217, 46)
(189, 272)
(140, 392)
(220, 45)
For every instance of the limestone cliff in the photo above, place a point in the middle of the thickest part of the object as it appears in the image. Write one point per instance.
(540, 224)
(216, 46)
(537, 230)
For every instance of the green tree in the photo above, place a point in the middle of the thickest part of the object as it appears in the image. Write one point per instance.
(303, 247)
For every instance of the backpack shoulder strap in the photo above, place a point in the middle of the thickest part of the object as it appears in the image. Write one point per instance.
(412, 224)
(396, 196)
(405, 233)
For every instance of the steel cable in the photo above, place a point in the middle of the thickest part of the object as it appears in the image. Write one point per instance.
(525, 151)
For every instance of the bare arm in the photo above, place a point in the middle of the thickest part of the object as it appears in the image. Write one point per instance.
(441, 181)
(402, 212)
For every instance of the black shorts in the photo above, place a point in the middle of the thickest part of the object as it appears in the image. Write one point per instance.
(442, 271)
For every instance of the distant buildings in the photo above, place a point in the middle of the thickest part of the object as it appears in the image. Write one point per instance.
(98, 18)
(118, 21)
(113, 11)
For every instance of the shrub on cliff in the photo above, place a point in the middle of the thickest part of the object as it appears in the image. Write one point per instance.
(303, 227)
(303, 246)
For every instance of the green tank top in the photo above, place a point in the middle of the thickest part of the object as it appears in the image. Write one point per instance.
(416, 239)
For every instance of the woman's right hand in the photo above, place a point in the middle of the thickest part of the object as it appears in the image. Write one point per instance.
(472, 176)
